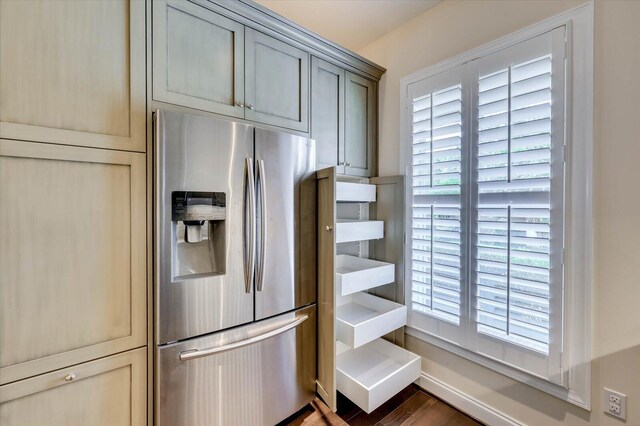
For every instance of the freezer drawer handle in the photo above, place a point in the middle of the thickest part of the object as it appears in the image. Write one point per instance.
(196, 353)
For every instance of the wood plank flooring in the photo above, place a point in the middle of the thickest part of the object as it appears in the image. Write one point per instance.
(412, 406)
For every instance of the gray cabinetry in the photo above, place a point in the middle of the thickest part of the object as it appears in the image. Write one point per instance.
(359, 125)
(327, 113)
(276, 82)
(343, 109)
(198, 58)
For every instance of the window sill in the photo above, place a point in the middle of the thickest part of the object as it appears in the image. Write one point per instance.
(521, 376)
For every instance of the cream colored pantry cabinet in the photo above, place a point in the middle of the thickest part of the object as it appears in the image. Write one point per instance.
(73, 72)
(72, 256)
(106, 392)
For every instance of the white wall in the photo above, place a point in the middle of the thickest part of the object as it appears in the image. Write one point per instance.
(456, 26)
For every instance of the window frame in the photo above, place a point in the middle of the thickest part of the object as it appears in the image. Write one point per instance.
(577, 303)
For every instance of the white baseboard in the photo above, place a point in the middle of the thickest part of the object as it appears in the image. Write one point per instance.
(465, 403)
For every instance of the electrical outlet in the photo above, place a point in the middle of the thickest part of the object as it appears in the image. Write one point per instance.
(614, 403)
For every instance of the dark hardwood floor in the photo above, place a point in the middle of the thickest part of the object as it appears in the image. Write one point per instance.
(412, 406)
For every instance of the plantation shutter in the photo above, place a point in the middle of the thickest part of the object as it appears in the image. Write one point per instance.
(486, 223)
(437, 259)
(517, 203)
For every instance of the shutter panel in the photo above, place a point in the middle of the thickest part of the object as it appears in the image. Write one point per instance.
(436, 251)
(517, 217)
(514, 141)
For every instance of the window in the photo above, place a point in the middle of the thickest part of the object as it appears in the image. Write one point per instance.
(489, 183)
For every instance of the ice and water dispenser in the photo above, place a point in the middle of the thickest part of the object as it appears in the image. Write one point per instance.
(198, 220)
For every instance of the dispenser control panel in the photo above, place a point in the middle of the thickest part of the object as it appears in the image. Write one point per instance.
(197, 206)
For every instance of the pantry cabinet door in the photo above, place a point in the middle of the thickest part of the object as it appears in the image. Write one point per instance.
(109, 391)
(198, 58)
(276, 82)
(327, 113)
(360, 125)
(72, 255)
(73, 72)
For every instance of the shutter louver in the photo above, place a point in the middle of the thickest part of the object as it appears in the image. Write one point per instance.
(436, 211)
(513, 207)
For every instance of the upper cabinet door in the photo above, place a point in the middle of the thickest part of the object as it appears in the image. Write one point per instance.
(276, 82)
(198, 58)
(73, 73)
(360, 125)
(327, 113)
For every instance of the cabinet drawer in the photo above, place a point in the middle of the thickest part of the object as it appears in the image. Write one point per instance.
(72, 255)
(373, 373)
(109, 391)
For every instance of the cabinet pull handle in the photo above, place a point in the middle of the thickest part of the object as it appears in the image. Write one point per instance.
(70, 377)
(240, 104)
(250, 106)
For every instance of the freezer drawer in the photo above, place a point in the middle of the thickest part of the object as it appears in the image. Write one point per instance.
(257, 374)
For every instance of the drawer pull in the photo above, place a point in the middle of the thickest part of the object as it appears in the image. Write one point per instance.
(70, 377)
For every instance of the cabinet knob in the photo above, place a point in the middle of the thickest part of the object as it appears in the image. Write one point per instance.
(70, 377)
(250, 106)
(240, 104)
(329, 228)
(347, 164)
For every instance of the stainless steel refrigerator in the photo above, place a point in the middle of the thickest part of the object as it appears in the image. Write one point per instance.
(234, 272)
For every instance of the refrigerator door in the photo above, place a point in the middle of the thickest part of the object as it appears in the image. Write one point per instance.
(286, 222)
(258, 374)
(200, 265)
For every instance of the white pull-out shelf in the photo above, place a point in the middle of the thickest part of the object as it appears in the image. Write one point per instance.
(371, 374)
(367, 317)
(354, 274)
(355, 192)
(348, 230)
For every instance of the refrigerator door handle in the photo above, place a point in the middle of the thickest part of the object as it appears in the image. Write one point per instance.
(249, 226)
(263, 225)
(197, 353)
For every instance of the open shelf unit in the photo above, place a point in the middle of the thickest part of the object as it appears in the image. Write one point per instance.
(359, 305)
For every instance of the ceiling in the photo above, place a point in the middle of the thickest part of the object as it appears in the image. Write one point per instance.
(350, 23)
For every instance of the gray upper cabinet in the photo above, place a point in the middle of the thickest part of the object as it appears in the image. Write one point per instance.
(198, 58)
(276, 82)
(327, 113)
(343, 114)
(359, 125)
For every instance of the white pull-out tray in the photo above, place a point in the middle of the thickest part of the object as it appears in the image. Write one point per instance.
(355, 274)
(371, 374)
(348, 230)
(367, 317)
(355, 192)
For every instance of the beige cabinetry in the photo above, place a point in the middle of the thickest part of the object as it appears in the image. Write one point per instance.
(72, 255)
(73, 213)
(73, 72)
(106, 392)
